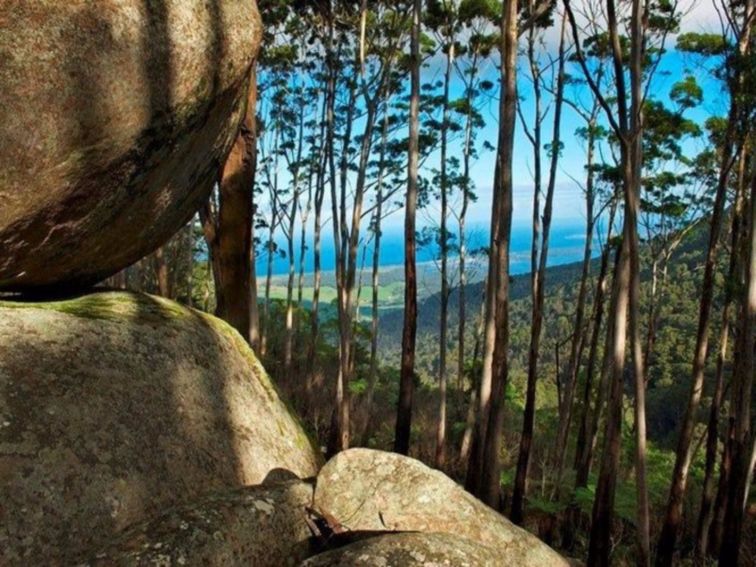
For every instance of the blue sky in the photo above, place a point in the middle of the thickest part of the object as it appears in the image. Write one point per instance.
(569, 214)
(568, 202)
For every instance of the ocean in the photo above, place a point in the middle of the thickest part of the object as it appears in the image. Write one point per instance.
(566, 246)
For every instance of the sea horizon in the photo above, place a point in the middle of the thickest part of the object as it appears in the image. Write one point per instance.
(566, 246)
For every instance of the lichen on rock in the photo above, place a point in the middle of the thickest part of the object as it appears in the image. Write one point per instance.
(410, 550)
(114, 406)
(367, 490)
(114, 118)
(262, 526)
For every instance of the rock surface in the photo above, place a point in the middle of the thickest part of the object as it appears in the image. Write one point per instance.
(114, 406)
(114, 118)
(262, 526)
(366, 490)
(410, 550)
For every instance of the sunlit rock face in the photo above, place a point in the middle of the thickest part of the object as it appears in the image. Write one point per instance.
(114, 118)
(366, 490)
(261, 525)
(410, 550)
(115, 406)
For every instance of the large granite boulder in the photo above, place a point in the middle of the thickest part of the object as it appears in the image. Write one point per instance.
(411, 550)
(262, 526)
(114, 118)
(367, 490)
(114, 406)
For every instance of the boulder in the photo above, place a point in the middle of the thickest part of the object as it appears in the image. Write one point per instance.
(114, 118)
(114, 406)
(367, 490)
(262, 526)
(410, 550)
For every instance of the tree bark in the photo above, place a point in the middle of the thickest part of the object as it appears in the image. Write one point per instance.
(409, 330)
(162, 273)
(444, 245)
(742, 386)
(579, 334)
(230, 240)
(674, 509)
(490, 481)
(632, 211)
(251, 123)
(603, 508)
(708, 493)
(587, 432)
(466, 446)
(375, 287)
(539, 283)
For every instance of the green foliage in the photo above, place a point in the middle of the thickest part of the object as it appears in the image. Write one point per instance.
(708, 44)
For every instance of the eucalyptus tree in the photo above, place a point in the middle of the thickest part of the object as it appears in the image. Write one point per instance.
(671, 192)
(476, 17)
(228, 223)
(295, 110)
(409, 327)
(483, 469)
(593, 134)
(277, 122)
(743, 438)
(369, 81)
(540, 245)
(388, 172)
(737, 32)
(711, 517)
(323, 37)
(634, 61)
(461, 30)
(443, 18)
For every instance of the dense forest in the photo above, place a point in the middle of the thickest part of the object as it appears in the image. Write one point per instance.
(605, 403)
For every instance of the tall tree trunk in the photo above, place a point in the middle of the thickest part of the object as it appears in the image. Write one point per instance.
(251, 122)
(339, 435)
(539, 283)
(490, 481)
(409, 330)
(473, 476)
(708, 492)
(375, 287)
(289, 333)
(603, 507)
(462, 293)
(271, 245)
(292, 218)
(674, 509)
(326, 151)
(444, 245)
(740, 405)
(466, 446)
(462, 219)
(579, 333)
(162, 273)
(588, 429)
(632, 210)
(230, 243)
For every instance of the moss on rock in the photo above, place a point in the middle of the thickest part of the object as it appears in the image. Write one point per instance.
(115, 405)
